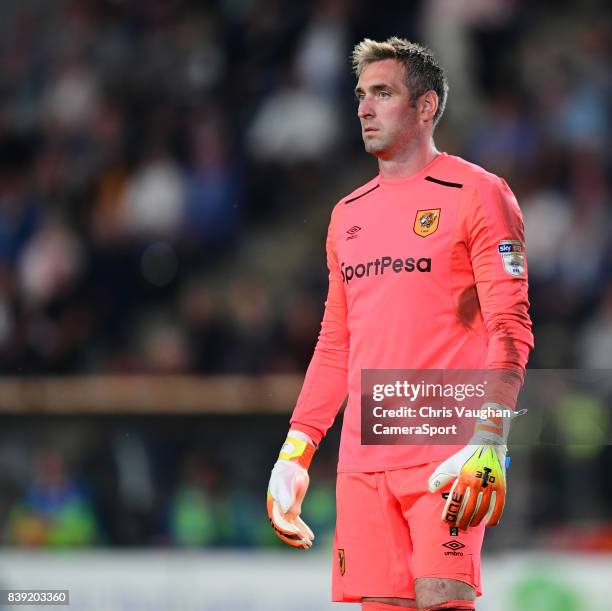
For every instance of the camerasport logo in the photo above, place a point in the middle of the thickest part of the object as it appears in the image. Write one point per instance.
(379, 266)
(454, 547)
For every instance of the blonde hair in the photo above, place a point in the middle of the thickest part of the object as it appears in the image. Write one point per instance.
(423, 73)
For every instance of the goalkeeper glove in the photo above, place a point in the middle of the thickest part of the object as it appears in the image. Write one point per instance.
(287, 488)
(479, 473)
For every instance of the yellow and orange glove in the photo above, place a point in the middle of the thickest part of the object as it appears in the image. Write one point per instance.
(288, 484)
(478, 473)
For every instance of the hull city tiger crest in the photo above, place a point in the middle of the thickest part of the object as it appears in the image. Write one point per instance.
(426, 222)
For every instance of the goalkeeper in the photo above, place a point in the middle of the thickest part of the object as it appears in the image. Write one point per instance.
(427, 270)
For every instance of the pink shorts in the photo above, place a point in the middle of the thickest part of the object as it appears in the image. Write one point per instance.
(389, 531)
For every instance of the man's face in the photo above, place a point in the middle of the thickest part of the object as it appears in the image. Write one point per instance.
(389, 123)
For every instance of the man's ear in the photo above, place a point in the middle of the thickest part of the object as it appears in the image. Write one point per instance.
(427, 106)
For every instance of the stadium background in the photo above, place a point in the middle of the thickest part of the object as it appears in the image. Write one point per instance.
(167, 170)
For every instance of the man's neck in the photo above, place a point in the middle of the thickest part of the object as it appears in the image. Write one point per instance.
(409, 162)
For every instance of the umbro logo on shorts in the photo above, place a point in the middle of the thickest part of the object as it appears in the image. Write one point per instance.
(454, 547)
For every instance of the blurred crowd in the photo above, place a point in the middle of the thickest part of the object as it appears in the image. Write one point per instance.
(167, 170)
(165, 481)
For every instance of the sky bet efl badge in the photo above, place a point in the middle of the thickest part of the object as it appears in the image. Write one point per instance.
(511, 252)
(426, 222)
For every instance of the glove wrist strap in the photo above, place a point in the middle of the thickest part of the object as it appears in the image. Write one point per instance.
(496, 426)
(298, 448)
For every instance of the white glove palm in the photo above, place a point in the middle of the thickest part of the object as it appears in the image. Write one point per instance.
(288, 485)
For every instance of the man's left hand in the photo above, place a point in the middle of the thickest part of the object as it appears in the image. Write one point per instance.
(479, 488)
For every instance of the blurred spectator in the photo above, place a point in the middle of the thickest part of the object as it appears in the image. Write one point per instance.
(199, 516)
(50, 264)
(505, 138)
(447, 27)
(55, 510)
(595, 346)
(154, 199)
(202, 310)
(251, 323)
(214, 190)
(73, 97)
(165, 348)
(298, 329)
(585, 245)
(20, 209)
(293, 124)
(321, 57)
(551, 209)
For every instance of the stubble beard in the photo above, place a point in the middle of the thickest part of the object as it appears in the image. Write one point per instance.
(387, 147)
(374, 146)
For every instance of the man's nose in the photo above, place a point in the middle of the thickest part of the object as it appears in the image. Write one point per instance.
(365, 108)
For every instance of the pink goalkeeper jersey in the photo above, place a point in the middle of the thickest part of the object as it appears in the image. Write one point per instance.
(426, 272)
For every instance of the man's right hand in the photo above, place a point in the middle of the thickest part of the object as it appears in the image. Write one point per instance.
(287, 488)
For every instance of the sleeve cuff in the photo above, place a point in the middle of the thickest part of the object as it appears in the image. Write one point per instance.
(315, 434)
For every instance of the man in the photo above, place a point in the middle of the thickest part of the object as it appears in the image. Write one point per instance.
(457, 299)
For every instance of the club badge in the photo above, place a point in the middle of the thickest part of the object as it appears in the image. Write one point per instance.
(426, 222)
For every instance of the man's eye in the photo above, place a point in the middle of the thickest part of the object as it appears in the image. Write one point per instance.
(383, 94)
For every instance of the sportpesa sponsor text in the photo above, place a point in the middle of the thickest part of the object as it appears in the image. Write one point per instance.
(378, 266)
